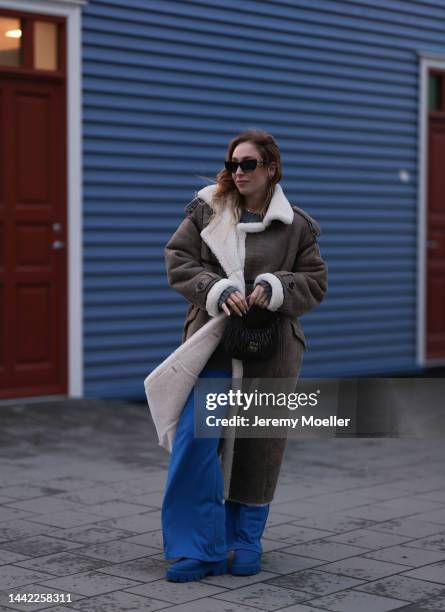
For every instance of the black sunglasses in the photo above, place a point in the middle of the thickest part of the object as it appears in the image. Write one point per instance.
(247, 165)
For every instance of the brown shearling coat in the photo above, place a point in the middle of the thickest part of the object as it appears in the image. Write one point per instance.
(200, 264)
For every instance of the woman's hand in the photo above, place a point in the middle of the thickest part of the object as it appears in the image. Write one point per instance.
(237, 304)
(258, 297)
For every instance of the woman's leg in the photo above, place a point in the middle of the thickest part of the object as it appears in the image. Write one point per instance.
(245, 525)
(193, 517)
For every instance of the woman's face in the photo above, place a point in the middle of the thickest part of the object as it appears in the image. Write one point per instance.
(250, 183)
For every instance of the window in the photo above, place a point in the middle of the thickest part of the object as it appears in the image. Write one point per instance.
(45, 45)
(10, 42)
(32, 43)
(435, 92)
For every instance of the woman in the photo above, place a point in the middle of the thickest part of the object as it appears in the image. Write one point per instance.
(241, 244)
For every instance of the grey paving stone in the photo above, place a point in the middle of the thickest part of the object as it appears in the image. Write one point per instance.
(16, 529)
(176, 592)
(294, 491)
(61, 564)
(263, 596)
(421, 484)
(433, 542)
(228, 581)
(13, 576)
(269, 545)
(382, 491)
(300, 509)
(142, 484)
(394, 479)
(377, 512)
(46, 504)
(66, 518)
(368, 538)
(435, 516)
(435, 572)
(433, 604)
(25, 492)
(115, 508)
(116, 551)
(92, 534)
(297, 509)
(153, 539)
(362, 568)
(406, 555)
(58, 609)
(339, 500)
(146, 569)
(69, 482)
(403, 587)
(334, 523)
(38, 545)
(276, 518)
(92, 495)
(292, 534)
(152, 499)
(315, 582)
(325, 550)
(118, 601)
(137, 523)
(415, 504)
(352, 601)
(437, 496)
(6, 500)
(209, 604)
(281, 562)
(301, 608)
(39, 589)
(7, 557)
(8, 514)
(89, 583)
(395, 508)
(407, 526)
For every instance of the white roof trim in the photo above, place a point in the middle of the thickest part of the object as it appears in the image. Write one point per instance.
(55, 7)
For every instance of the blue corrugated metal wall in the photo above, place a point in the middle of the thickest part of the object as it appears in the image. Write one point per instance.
(166, 84)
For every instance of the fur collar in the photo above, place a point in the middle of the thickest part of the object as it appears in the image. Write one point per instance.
(279, 208)
(227, 240)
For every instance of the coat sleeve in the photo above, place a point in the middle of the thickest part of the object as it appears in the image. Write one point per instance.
(185, 272)
(296, 291)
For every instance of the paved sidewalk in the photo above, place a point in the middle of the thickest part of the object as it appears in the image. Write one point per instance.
(356, 525)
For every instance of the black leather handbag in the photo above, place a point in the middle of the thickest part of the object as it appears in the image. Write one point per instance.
(254, 336)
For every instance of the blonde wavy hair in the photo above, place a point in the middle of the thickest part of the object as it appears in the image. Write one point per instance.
(227, 194)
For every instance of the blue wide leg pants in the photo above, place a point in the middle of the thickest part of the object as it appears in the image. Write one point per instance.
(197, 522)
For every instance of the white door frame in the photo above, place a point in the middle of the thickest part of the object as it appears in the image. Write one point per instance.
(426, 62)
(71, 9)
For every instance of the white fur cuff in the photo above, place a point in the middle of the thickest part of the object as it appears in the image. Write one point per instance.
(277, 297)
(215, 293)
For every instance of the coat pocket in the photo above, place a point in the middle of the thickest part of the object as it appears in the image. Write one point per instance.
(298, 331)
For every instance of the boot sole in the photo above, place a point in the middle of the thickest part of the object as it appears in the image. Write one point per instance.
(174, 576)
(245, 570)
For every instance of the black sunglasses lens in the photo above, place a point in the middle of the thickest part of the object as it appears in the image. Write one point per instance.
(231, 166)
(248, 165)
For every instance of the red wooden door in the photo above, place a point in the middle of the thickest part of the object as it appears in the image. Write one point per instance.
(435, 345)
(33, 234)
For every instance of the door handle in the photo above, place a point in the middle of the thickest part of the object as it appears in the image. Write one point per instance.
(58, 244)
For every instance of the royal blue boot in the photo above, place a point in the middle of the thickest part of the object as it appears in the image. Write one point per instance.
(246, 562)
(186, 570)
